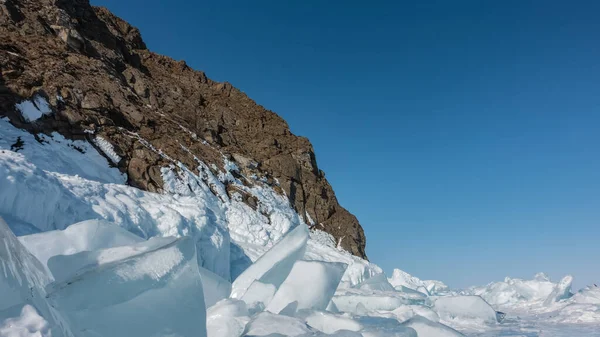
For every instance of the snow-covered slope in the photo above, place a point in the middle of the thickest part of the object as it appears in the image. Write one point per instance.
(96, 257)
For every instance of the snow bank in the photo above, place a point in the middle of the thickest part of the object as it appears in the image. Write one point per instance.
(309, 285)
(63, 200)
(275, 265)
(53, 153)
(464, 307)
(155, 293)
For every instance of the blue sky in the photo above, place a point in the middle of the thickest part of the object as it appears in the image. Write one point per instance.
(464, 135)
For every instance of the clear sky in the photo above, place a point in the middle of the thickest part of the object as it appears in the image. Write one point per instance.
(464, 135)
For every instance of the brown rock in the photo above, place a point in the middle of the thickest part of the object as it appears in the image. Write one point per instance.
(109, 82)
(70, 36)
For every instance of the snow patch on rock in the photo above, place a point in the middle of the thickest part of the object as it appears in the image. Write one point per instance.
(107, 148)
(34, 109)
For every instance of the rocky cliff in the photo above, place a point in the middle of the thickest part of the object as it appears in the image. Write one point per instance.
(100, 79)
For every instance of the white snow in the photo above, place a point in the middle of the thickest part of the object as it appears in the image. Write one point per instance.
(108, 149)
(33, 109)
(310, 220)
(55, 153)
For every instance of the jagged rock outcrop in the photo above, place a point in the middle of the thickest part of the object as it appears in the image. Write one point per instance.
(98, 76)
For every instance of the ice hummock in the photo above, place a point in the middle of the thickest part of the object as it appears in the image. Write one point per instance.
(330, 323)
(275, 265)
(514, 292)
(427, 328)
(227, 318)
(64, 267)
(401, 279)
(464, 308)
(155, 293)
(323, 278)
(22, 286)
(377, 282)
(258, 296)
(215, 287)
(269, 324)
(561, 291)
(357, 301)
(85, 236)
(28, 323)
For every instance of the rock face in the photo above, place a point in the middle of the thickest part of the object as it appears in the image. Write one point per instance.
(100, 79)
